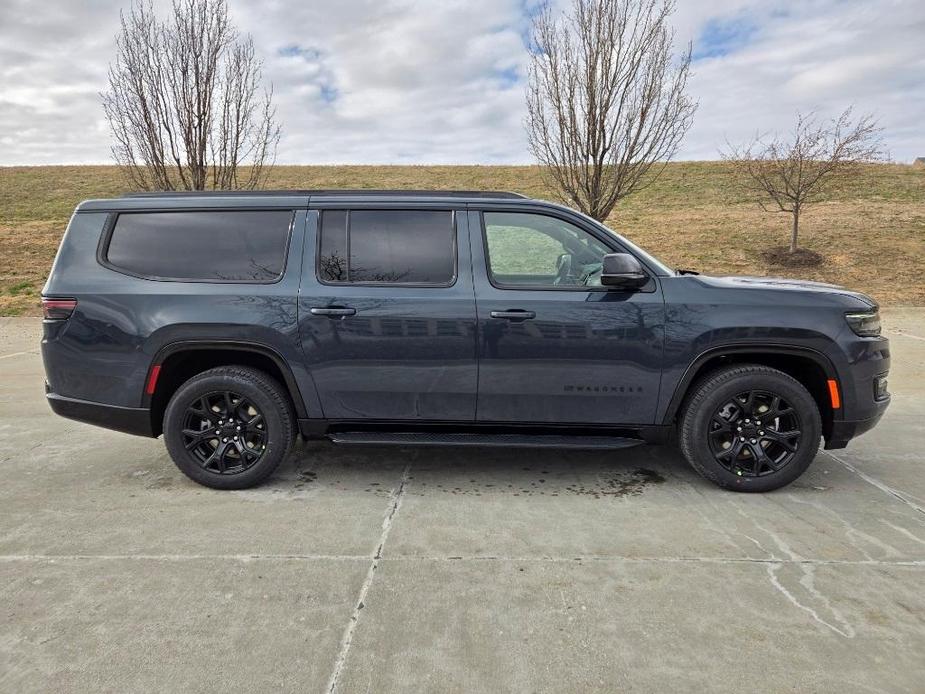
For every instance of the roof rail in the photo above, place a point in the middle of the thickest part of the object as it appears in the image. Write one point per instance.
(339, 192)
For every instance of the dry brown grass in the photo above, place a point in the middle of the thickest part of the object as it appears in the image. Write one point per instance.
(871, 232)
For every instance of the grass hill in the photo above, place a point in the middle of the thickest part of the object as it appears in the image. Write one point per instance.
(870, 232)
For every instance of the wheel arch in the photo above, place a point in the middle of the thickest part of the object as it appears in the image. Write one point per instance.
(179, 361)
(808, 366)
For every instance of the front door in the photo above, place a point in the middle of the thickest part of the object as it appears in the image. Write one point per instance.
(387, 313)
(555, 346)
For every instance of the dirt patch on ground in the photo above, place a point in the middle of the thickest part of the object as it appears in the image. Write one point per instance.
(782, 256)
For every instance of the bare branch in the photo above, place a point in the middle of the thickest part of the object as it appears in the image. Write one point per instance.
(606, 104)
(794, 172)
(185, 104)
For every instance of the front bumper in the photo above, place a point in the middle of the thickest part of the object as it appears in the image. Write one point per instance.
(863, 403)
(843, 431)
(129, 420)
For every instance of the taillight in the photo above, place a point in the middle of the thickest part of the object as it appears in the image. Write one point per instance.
(58, 309)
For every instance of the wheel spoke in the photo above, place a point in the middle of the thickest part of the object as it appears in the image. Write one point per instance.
(749, 405)
(222, 466)
(214, 457)
(256, 438)
(246, 452)
(784, 438)
(775, 407)
(759, 458)
(202, 409)
(779, 408)
(732, 452)
(229, 403)
(198, 437)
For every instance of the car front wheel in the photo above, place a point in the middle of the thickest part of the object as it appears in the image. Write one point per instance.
(750, 428)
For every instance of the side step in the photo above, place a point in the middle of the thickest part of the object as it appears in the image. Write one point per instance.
(402, 438)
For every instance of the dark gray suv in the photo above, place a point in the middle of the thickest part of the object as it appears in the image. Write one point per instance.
(230, 322)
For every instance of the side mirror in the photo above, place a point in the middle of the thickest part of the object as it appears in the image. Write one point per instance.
(623, 271)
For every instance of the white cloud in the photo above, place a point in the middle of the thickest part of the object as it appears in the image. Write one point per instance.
(377, 81)
(821, 55)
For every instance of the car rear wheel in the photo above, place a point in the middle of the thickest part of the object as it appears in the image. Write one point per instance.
(229, 427)
(750, 428)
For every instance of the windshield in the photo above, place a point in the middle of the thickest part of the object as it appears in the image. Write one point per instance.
(636, 250)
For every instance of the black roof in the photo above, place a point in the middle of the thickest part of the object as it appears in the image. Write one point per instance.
(352, 192)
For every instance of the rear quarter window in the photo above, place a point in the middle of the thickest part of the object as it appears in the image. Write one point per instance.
(233, 246)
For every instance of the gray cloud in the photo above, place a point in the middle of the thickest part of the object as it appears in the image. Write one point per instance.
(376, 81)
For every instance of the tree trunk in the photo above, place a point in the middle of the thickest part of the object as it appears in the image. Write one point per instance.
(796, 228)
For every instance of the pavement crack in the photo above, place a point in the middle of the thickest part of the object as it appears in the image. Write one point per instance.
(347, 640)
(904, 532)
(902, 496)
(903, 333)
(842, 627)
(856, 537)
(804, 593)
(15, 354)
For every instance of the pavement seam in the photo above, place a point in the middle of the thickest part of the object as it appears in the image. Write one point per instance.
(184, 557)
(347, 640)
(51, 558)
(670, 560)
(895, 493)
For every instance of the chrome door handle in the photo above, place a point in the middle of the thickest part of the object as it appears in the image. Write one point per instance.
(333, 311)
(515, 314)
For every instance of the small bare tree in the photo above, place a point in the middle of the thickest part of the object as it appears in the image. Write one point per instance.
(185, 103)
(606, 99)
(788, 174)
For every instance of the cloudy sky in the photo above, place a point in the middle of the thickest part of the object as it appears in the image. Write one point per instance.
(442, 81)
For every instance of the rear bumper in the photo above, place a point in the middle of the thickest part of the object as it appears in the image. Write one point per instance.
(129, 420)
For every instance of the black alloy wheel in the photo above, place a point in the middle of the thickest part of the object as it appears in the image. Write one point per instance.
(229, 427)
(225, 432)
(754, 433)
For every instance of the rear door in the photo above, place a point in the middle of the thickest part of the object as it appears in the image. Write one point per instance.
(554, 345)
(387, 311)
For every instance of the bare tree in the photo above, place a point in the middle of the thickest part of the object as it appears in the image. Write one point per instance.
(185, 103)
(788, 174)
(607, 98)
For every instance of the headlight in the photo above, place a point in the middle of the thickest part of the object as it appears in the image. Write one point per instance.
(864, 323)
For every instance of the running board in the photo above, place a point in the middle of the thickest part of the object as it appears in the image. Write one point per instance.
(402, 438)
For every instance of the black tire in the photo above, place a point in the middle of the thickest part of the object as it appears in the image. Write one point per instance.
(245, 448)
(744, 443)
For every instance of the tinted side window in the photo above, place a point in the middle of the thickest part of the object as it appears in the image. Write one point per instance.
(541, 251)
(392, 246)
(218, 246)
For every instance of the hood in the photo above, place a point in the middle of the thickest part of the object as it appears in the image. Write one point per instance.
(784, 284)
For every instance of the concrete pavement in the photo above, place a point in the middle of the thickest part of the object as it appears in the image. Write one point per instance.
(449, 570)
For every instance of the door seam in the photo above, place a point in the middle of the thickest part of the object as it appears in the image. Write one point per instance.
(477, 333)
